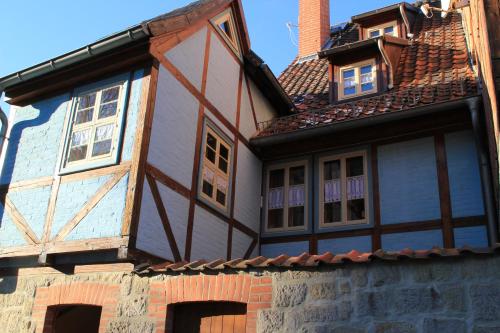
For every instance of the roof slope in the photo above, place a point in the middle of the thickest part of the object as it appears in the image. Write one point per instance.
(434, 68)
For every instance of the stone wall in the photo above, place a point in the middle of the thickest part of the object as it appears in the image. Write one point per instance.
(455, 295)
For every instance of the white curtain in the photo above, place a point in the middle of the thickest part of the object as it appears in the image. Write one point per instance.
(276, 198)
(296, 196)
(355, 188)
(208, 175)
(333, 191)
(222, 185)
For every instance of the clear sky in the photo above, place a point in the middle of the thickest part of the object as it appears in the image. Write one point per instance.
(34, 30)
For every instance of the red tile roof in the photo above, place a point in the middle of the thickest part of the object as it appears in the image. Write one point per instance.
(434, 68)
(310, 261)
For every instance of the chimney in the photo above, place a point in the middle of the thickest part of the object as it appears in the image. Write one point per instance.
(314, 26)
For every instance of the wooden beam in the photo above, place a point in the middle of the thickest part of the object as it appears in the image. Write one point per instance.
(124, 166)
(20, 222)
(164, 218)
(86, 245)
(27, 184)
(444, 191)
(93, 201)
(172, 184)
(250, 249)
(49, 218)
(198, 145)
(376, 238)
(250, 97)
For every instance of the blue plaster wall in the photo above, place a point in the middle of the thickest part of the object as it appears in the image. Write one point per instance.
(105, 220)
(72, 197)
(471, 236)
(345, 245)
(292, 249)
(9, 234)
(419, 240)
(134, 108)
(32, 204)
(463, 172)
(408, 182)
(35, 137)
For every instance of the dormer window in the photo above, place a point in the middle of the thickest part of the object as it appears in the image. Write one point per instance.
(383, 29)
(224, 23)
(358, 79)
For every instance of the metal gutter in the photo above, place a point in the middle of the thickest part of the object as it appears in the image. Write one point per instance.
(382, 10)
(357, 123)
(347, 47)
(103, 45)
(485, 171)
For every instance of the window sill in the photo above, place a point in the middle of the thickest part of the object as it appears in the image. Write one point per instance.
(87, 167)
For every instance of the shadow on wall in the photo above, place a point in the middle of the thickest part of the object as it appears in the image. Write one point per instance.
(26, 146)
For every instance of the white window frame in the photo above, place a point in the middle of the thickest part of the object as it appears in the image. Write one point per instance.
(357, 77)
(287, 167)
(343, 177)
(206, 163)
(381, 27)
(112, 157)
(228, 16)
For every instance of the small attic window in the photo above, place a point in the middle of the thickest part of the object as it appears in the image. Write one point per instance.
(224, 23)
(383, 29)
(357, 79)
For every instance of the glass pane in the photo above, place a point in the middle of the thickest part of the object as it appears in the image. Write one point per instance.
(211, 141)
(223, 165)
(349, 91)
(331, 170)
(374, 33)
(366, 70)
(332, 212)
(210, 154)
(389, 31)
(86, 101)
(77, 153)
(367, 87)
(296, 176)
(355, 166)
(108, 110)
(104, 132)
(207, 188)
(221, 198)
(296, 216)
(275, 218)
(226, 27)
(84, 116)
(110, 94)
(224, 152)
(277, 178)
(348, 74)
(356, 209)
(101, 148)
(80, 138)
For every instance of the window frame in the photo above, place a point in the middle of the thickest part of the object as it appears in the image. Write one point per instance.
(381, 27)
(112, 158)
(357, 79)
(287, 167)
(227, 15)
(210, 128)
(343, 176)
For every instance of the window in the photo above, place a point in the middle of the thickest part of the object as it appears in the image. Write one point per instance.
(358, 79)
(224, 23)
(286, 197)
(343, 190)
(94, 128)
(215, 171)
(384, 29)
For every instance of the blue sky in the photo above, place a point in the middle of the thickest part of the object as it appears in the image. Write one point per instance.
(34, 31)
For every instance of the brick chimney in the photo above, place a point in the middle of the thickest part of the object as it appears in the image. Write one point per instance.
(314, 26)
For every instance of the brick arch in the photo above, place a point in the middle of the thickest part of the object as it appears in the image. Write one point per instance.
(255, 292)
(96, 294)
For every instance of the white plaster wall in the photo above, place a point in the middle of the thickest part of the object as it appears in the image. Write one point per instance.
(247, 123)
(209, 236)
(219, 124)
(263, 109)
(189, 57)
(151, 236)
(241, 243)
(222, 80)
(173, 136)
(248, 188)
(177, 208)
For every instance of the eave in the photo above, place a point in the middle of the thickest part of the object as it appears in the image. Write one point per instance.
(368, 15)
(362, 45)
